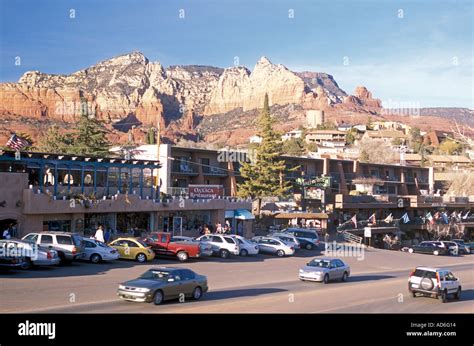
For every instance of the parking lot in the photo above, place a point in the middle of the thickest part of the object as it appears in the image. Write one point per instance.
(261, 283)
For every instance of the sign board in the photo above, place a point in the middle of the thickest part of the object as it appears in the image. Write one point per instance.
(321, 182)
(205, 191)
(367, 232)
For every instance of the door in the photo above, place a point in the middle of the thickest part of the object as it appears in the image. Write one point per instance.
(339, 269)
(188, 281)
(334, 270)
(120, 247)
(451, 282)
(160, 245)
(173, 288)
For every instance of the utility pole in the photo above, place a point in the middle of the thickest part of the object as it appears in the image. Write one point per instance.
(158, 142)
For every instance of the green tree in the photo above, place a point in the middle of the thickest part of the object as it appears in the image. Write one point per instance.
(351, 136)
(150, 136)
(293, 146)
(449, 147)
(397, 141)
(264, 175)
(56, 141)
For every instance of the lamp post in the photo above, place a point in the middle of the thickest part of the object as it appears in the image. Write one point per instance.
(158, 142)
(303, 196)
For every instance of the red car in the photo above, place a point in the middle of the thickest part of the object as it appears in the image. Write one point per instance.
(163, 245)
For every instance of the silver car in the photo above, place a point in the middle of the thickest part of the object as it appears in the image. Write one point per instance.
(324, 270)
(274, 246)
(33, 254)
(288, 239)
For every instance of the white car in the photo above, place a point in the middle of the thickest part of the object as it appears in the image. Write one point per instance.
(288, 239)
(435, 282)
(274, 246)
(247, 247)
(222, 245)
(96, 251)
(34, 255)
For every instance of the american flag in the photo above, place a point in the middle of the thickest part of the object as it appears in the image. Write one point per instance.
(15, 142)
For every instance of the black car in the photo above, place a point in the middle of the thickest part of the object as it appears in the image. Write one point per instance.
(428, 247)
(308, 239)
(159, 284)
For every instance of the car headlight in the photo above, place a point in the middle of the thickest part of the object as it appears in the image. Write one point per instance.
(142, 290)
(301, 271)
(121, 287)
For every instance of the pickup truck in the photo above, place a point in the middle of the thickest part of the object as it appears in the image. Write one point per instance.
(163, 245)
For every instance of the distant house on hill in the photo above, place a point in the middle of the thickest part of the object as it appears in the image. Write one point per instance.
(292, 134)
(436, 137)
(255, 139)
(386, 135)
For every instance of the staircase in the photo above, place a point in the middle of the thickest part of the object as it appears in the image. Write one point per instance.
(351, 238)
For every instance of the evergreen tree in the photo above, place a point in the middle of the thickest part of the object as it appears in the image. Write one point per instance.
(57, 142)
(150, 136)
(264, 175)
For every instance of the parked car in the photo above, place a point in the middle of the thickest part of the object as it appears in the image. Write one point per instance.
(34, 255)
(222, 245)
(10, 259)
(429, 247)
(96, 251)
(435, 282)
(274, 246)
(288, 239)
(453, 247)
(162, 244)
(159, 284)
(68, 245)
(325, 270)
(308, 239)
(131, 248)
(247, 247)
(463, 247)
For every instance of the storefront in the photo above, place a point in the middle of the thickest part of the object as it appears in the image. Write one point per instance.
(240, 221)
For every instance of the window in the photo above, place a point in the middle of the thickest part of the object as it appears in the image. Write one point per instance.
(31, 237)
(240, 241)
(163, 238)
(229, 240)
(339, 263)
(46, 239)
(274, 242)
(216, 239)
(64, 240)
(450, 277)
(89, 244)
(177, 275)
(187, 274)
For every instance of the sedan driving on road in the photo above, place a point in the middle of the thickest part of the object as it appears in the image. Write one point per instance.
(324, 270)
(159, 284)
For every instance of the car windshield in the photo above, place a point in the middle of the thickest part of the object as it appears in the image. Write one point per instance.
(319, 263)
(156, 275)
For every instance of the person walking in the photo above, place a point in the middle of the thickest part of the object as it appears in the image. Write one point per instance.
(107, 235)
(99, 234)
(6, 234)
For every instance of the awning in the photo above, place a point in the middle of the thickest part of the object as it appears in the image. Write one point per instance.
(308, 216)
(229, 214)
(244, 214)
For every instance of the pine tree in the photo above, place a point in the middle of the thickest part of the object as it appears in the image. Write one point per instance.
(56, 142)
(264, 175)
(90, 136)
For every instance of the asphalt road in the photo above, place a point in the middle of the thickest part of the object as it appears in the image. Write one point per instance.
(257, 284)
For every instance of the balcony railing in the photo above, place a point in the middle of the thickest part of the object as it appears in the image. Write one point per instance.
(184, 168)
(214, 171)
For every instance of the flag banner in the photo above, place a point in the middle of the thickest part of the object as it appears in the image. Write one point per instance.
(389, 218)
(429, 217)
(372, 219)
(354, 221)
(445, 218)
(465, 216)
(405, 218)
(17, 143)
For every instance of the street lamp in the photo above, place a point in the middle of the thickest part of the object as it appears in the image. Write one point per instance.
(303, 196)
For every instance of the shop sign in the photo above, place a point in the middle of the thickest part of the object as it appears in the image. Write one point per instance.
(205, 191)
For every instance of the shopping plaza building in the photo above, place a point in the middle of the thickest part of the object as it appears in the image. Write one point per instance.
(180, 189)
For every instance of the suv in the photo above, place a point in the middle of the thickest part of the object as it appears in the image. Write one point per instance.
(435, 282)
(222, 245)
(68, 245)
(308, 239)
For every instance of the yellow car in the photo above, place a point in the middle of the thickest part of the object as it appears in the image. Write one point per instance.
(130, 248)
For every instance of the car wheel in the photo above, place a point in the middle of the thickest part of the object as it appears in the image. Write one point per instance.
(244, 252)
(309, 247)
(28, 264)
(443, 297)
(436, 252)
(345, 276)
(95, 258)
(223, 253)
(280, 253)
(326, 279)
(197, 293)
(158, 297)
(413, 294)
(141, 257)
(410, 250)
(457, 295)
(182, 256)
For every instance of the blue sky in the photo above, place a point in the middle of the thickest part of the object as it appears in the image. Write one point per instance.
(424, 59)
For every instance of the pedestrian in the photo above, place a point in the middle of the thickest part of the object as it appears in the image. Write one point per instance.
(136, 232)
(99, 234)
(326, 238)
(14, 231)
(207, 230)
(6, 234)
(107, 235)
